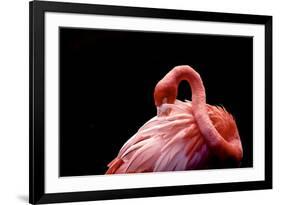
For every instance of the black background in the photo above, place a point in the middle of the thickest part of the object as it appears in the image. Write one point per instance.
(107, 78)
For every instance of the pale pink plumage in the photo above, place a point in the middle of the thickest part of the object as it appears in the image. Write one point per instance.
(173, 141)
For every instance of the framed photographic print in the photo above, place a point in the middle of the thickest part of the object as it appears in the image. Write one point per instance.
(140, 102)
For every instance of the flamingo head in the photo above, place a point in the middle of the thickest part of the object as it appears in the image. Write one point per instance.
(165, 92)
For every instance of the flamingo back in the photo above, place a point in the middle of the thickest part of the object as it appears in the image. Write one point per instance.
(170, 141)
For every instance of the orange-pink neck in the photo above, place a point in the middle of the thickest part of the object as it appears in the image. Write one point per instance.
(213, 138)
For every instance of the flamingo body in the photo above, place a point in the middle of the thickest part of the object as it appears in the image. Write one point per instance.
(174, 141)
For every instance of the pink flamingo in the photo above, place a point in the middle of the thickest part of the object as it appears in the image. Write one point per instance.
(184, 135)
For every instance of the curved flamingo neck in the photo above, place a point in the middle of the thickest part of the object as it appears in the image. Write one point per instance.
(200, 112)
(206, 127)
(167, 89)
(187, 73)
(180, 73)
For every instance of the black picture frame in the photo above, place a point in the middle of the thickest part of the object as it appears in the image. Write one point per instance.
(37, 9)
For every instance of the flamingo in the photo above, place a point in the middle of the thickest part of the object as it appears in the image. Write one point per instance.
(184, 135)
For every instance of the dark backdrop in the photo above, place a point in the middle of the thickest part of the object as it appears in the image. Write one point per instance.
(107, 79)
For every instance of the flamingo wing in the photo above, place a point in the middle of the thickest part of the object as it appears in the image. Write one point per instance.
(169, 141)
